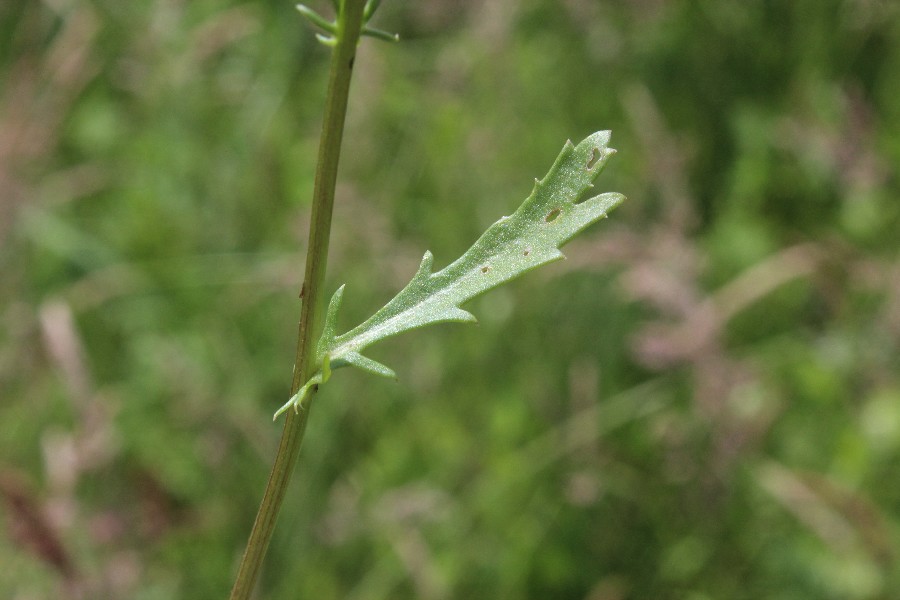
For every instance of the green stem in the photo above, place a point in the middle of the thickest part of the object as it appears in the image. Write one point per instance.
(349, 23)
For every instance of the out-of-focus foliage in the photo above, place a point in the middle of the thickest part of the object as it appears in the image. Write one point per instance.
(702, 402)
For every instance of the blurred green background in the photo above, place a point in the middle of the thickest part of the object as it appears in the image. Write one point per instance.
(702, 402)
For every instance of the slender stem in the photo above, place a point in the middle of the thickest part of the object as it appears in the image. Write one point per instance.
(349, 23)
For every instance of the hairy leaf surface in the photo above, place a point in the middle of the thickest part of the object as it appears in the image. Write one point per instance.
(532, 236)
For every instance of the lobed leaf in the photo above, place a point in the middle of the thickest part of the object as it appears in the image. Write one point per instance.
(532, 236)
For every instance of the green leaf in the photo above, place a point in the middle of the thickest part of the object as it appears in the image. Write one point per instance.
(379, 34)
(316, 19)
(552, 215)
(369, 10)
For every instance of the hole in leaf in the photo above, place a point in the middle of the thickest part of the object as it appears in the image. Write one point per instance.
(595, 156)
(485, 269)
(551, 216)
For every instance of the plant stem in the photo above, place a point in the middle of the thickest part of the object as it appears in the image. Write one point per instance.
(349, 23)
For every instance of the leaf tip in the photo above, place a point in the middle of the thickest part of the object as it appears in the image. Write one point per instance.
(462, 316)
(367, 364)
(327, 40)
(424, 269)
(284, 408)
(602, 204)
(380, 35)
(330, 327)
(600, 138)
